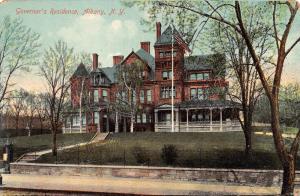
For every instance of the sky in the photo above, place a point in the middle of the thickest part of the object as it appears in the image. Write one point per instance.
(106, 34)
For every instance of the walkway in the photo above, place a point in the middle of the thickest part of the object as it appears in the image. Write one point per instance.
(128, 186)
(32, 156)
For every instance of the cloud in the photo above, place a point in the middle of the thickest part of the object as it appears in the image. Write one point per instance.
(102, 35)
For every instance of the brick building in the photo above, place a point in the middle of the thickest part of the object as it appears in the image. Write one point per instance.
(199, 91)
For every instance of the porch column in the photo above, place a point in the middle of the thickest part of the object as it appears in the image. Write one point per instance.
(155, 120)
(107, 122)
(117, 123)
(221, 120)
(187, 120)
(177, 120)
(210, 119)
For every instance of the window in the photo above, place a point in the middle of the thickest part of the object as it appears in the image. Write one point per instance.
(138, 118)
(193, 77)
(161, 54)
(149, 95)
(149, 118)
(167, 75)
(167, 54)
(198, 93)
(96, 96)
(83, 120)
(199, 76)
(104, 94)
(142, 96)
(144, 118)
(206, 76)
(193, 93)
(76, 121)
(96, 117)
(166, 92)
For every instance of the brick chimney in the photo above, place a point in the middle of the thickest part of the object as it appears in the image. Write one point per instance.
(95, 61)
(145, 46)
(158, 30)
(117, 59)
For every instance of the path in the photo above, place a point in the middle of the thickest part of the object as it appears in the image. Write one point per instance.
(32, 156)
(128, 186)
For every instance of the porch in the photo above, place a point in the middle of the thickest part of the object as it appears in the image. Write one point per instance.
(198, 116)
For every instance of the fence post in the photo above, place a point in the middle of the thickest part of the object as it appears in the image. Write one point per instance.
(78, 154)
(124, 158)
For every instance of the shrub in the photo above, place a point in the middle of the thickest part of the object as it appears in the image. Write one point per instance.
(169, 154)
(140, 154)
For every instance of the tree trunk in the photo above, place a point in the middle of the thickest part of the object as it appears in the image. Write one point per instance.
(132, 123)
(117, 123)
(41, 126)
(54, 146)
(17, 122)
(288, 177)
(125, 125)
(248, 138)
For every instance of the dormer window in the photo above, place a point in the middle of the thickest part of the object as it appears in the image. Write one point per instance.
(98, 79)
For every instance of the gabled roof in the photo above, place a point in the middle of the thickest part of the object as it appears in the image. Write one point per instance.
(204, 62)
(110, 73)
(166, 37)
(147, 57)
(81, 71)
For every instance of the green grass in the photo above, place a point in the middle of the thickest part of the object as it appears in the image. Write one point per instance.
(26, 144)
(216, 150)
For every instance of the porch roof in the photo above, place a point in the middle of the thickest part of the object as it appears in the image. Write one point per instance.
(191, 104)
(200, 104)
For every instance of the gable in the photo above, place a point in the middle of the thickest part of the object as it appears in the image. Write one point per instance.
(132, 57)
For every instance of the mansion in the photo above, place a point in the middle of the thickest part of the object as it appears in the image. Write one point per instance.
(199, 91)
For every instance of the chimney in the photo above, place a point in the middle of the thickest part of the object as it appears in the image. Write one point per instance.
(95, 61)
(145, 46)
(158, 30)
(117, 59)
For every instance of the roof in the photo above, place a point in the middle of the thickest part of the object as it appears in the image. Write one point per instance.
(204, 62)
(80, 71)
(110, 73)
(166, 36)
(196, 103)
(149, 59)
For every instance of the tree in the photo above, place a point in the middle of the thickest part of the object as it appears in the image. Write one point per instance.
(18, 50)
(41, 109)
(218, 11)
(56, 69)
(130, 80)
(30, 108)
(245, 86)
(17, 105)
(289, 104)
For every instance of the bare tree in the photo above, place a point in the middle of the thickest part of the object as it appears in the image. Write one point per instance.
(17, 105)
(130, 80)
(18, 50)
(245, 85)
(41, 109)
(56, 69)
(31, 108)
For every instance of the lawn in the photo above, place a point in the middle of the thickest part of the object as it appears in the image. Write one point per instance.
(216, 150)
(26, 144)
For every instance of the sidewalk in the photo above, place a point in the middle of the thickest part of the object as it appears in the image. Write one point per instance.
(32, 156)
(129, 186)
